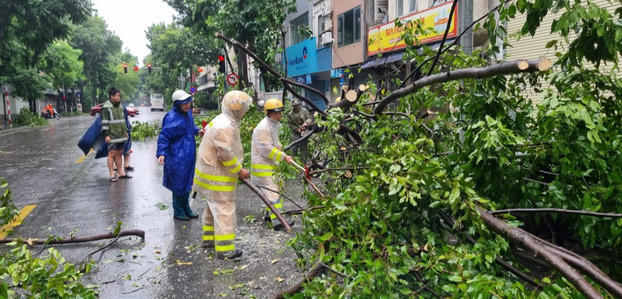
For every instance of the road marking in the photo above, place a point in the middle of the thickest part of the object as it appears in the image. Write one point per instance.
(81, 159)
(17, 220)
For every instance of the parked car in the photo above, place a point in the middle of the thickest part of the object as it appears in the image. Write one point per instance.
(96, 110)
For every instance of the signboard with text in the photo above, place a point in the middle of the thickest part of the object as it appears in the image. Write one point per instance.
(387, 37)
(302, 58)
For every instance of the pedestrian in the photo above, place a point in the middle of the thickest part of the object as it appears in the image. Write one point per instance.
(299, 120)
(115, 133)
(218, 167)
(127, 150)
(177, 152)
(266, 155)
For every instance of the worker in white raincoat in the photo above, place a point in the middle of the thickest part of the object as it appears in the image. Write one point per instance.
(265, 157)
(218, 167)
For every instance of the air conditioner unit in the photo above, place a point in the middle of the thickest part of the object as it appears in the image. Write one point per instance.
(327, 25)
(327, 38)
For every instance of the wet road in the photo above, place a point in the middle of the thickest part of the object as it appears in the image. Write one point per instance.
(42, 168)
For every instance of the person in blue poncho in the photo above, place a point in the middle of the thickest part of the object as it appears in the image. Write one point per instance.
(177, 152)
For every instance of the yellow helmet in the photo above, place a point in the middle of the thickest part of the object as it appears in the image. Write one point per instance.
(272, 105)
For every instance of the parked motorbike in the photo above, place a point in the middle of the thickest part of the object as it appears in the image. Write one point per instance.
(56, 115)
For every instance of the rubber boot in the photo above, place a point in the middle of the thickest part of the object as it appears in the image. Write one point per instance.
(228, 255)
(178, 209)
(186, 204)
(277, 225)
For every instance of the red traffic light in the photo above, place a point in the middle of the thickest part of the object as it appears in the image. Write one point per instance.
(136, 68)
(221, 58)
(125, 67)
(149, 68)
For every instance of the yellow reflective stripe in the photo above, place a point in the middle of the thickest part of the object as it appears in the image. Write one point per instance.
(208, 228)
(278, 205)
(273, 152)
(215, 187)
(279, 155)
(262, 174)
(272, 216)
(216, 178)
(263, 166)
(211, 123)
(224, 237)
(208, 237)
(225, 248)
(230, 162)
(236, 169)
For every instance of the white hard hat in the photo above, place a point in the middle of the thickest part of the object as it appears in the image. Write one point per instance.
(180, 95)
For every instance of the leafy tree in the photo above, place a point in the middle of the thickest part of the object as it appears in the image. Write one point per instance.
(99, 46)
(27, 28)
(256, 24)
(175, 50)
(62, 65)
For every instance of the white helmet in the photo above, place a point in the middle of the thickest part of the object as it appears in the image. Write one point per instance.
(180, 95)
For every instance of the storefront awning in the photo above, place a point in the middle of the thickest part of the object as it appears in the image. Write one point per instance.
(397, 56)
(382, 60)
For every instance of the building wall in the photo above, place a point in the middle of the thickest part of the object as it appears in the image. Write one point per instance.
(529, 47)
(352, 54)
(302, 6)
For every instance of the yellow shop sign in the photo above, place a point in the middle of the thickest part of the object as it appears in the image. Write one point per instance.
(387, 37)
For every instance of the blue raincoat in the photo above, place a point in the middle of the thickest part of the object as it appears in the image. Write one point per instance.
(177, 144)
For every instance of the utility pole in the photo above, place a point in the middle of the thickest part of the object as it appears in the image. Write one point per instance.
(465, 13)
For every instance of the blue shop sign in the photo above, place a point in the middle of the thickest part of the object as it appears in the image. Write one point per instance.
(302, 58)
(304, 79)
(336, 73)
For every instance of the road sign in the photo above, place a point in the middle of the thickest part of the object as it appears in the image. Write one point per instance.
(233, 79)
(193, 89)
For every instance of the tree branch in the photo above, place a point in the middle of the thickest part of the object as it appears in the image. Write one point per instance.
(503, 68)
(527, 241)
(71, 240)
(552, 210)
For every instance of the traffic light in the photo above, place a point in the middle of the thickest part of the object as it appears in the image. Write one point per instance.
(221, 64)
(125, 68)
(149, 68)
(136, 68)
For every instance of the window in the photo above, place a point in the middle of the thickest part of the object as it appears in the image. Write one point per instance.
(349, 27)
(294, 28)
(400, 8)
(412, 6)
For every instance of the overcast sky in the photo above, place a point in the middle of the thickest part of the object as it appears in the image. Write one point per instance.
(129, 19)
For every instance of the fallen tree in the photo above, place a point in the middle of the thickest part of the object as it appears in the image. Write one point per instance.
(480, 146)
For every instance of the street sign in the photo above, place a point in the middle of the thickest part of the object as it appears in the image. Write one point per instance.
(193, 89)
(233, 79)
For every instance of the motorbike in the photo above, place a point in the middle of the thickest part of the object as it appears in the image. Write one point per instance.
(56, 114)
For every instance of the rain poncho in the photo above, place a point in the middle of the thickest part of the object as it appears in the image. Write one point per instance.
(177, 144)
(265, 157)
(113, 122)
(219, 160)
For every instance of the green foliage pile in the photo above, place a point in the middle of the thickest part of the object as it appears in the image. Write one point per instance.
(402, 227)
(27, 118)
(49, 276)
(142, 131)
(24, 276)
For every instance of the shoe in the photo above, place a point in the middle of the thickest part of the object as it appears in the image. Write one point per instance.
(130, 168)
(113, 179)
(207, 244)
(192, 215)
(229, 254)
(125, 177)
(184, 218)
(277, 225)
(266, 217)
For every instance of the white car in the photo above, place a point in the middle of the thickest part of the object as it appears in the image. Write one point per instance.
(131, 105)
